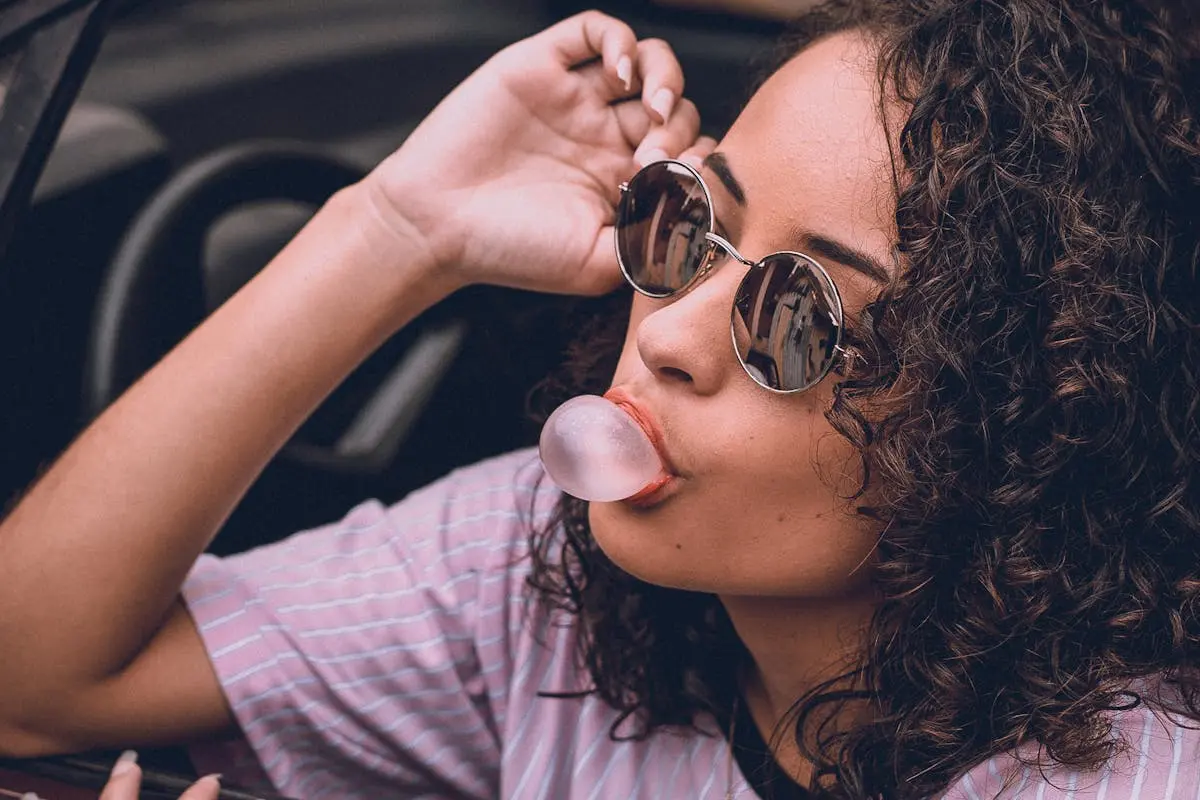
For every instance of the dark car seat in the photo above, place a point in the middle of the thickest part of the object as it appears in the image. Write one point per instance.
(106, 162)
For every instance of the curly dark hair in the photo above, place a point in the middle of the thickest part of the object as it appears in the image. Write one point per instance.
(1025, 411)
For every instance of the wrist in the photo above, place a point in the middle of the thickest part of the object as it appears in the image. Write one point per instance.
(379, 274)
(391, 243)
(410, 227)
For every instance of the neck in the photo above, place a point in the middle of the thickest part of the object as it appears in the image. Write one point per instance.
(795, 644)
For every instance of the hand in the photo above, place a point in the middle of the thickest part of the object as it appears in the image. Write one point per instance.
(767, 9)
(513, 179)
(126, 781)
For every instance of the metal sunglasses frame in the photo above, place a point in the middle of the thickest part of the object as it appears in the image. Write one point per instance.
(716, 243)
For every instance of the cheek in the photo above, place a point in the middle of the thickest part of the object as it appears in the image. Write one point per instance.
(765, 514)
(629, 361)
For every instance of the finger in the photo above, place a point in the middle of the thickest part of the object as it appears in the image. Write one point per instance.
(125, 780)
(661, 77)
(668, 141)
(207, 788)
(634, 120)
(699, 151)
(582, 37)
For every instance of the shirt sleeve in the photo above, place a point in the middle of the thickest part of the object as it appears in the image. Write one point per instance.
(370, 658)
(1161, 762)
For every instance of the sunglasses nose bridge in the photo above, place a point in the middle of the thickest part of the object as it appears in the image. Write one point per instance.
(718, 242)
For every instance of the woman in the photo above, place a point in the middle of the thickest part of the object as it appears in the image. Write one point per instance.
(950, 551)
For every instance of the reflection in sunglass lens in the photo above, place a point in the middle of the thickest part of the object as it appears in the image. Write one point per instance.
(786, 322)
(661, 224)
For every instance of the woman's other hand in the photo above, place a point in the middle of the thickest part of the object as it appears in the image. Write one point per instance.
(126, 781)
(513, 178)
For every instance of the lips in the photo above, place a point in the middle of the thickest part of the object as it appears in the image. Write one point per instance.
(649, 426)
(650, 493)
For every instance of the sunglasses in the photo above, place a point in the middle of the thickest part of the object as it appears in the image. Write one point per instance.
(786, 320)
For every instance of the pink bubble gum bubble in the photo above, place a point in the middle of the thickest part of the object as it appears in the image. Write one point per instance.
(595, 451)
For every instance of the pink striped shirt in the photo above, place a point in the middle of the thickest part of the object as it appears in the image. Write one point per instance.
(389, 656)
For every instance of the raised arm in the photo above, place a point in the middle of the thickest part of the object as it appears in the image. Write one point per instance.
(511, 181)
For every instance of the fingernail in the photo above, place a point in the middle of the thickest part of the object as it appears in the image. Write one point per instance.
(625, 71)
(125, 762)
(649, 156)
(662, 102)
(213, 780)
(693, 160)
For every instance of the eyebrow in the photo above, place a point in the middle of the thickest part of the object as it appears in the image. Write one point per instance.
(818, 245)
(716, 162)
(836, 251)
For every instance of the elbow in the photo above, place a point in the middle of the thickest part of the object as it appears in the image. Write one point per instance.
(18, 743)
(29, 730)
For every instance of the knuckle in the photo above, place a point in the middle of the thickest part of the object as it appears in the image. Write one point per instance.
(680, 141)
(685, 121)
(655, 138)
(591, 15)
(607, 26)
(660, 54)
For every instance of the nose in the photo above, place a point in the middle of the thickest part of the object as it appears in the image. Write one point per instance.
(686, 340)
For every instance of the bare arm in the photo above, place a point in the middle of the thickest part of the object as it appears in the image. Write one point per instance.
(92, 560)
(510, 181)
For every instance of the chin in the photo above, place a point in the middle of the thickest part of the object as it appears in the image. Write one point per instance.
(649, 550)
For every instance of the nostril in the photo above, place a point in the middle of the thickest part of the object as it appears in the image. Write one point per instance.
(674, 373)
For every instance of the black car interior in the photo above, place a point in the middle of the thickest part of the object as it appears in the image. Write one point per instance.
(155, 154)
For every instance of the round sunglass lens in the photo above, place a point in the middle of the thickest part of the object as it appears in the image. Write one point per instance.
(787, 323)
(661, 224)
